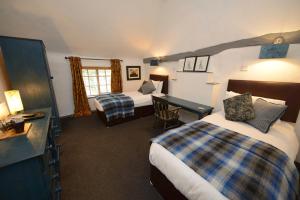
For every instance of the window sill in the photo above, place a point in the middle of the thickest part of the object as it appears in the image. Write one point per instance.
(92, 97)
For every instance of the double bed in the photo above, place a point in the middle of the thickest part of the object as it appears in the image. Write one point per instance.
(142, 103)
(173, 179)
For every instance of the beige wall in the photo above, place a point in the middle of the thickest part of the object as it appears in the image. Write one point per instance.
(3, 78)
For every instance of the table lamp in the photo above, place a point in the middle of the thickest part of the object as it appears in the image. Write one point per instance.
(14, 101)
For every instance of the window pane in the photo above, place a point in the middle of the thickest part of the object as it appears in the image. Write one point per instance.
(86, 81)
(108, 72)
(108, 88)
(87, 90)
(93, 81)
(103, 89)
(108, 80)
(101, 72)
(102, 80)
(84, 72)
(92, 72)
(94, 90)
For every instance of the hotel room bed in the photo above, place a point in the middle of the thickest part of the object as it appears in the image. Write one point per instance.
(192, 185)
(138, 98)
(142, 103)
(175, 180)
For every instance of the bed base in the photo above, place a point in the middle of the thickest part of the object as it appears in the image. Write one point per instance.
(139, 112)
(163, 186)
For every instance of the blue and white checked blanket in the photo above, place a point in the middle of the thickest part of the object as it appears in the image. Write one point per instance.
(116, 106)
(238, 166)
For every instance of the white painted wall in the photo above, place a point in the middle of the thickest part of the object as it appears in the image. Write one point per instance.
(60, 69)
(227, 65)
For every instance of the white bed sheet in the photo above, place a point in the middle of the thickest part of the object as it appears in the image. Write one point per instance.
(281, 135)
(138, 98)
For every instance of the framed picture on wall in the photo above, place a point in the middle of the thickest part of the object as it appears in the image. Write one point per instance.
(133, 73)
(189, 64)
(180, 65)
(202, 63)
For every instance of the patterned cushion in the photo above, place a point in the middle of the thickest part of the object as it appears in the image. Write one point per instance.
(266, 114)
(239, 108)
(148, 87)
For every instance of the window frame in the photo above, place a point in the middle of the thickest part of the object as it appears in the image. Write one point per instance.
(97, 68)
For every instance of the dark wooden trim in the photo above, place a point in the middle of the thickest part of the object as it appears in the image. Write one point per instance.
(164, 187)
(289, 92)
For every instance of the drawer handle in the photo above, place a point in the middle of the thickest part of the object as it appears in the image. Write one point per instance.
(55, 176)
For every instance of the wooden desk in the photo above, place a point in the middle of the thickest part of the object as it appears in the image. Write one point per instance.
(199, 109)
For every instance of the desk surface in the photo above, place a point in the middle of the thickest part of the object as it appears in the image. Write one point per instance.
(16, 149)
(188, 105)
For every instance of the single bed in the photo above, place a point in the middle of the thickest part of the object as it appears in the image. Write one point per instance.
(175, 180)
(142, 103)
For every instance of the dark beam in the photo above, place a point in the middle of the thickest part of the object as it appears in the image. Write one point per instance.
(290, 38)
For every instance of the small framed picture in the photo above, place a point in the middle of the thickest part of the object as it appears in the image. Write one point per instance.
(189, 64)
(133, 72)
(202, 63)
(180, 65)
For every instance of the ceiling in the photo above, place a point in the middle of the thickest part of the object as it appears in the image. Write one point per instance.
(143, 28)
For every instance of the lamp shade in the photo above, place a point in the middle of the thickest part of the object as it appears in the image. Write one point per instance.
(14, 101)
(3, 111)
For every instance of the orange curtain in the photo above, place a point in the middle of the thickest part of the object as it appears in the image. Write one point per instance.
(116, 76)
(81, 103)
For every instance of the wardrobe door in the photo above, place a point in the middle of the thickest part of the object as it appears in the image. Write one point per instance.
(27, 72)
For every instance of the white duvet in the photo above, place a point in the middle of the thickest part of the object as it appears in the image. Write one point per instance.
(281, 135)
(138, 98)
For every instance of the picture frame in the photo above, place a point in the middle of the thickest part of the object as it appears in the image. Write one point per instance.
(201, 64)
(180, 65)
(189, 64)
(133, 73)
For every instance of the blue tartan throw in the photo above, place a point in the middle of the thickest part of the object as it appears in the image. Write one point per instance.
(116, 106)
(238, 166)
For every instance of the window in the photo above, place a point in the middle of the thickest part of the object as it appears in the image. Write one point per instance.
(96, 80)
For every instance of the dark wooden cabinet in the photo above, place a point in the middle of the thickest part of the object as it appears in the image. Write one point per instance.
(29, 165)
(28, 71)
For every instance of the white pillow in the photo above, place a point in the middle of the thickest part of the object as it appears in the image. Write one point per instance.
(254, 98)
(158, 86)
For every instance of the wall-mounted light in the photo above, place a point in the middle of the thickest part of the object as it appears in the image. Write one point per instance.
(14, 101)
(154, 62)
(278, 49)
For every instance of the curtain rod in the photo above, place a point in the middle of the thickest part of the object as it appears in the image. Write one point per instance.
(66, 57)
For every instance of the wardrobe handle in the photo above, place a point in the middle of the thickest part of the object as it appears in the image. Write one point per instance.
(49, 147)
(53, 162)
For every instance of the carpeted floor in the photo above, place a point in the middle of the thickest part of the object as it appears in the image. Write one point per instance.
(106, 163)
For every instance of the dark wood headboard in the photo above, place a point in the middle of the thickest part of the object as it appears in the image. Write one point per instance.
(163, 78)
(289, 92)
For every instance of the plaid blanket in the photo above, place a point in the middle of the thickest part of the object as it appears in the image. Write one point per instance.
(116, 106)
(238, 166)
